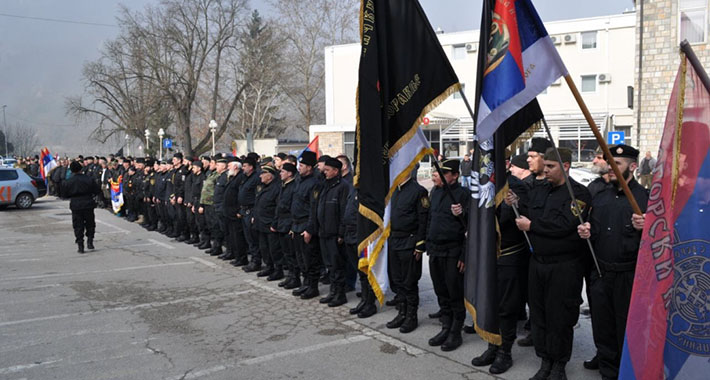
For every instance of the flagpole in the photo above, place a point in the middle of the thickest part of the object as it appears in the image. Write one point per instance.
(688, 50)
(578, 211)
(602, 144)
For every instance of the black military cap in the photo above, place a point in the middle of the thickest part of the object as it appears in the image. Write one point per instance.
(221, 160)
(249, 160)
(520, 161)
(103, 158)
(254, 155)
(80, 157)
(565, 154)
(197, 163)
(75, 167)
(231, 159)
(451, 165)
(267, 160)
(289, 167)
(323, 158)
(281, 155)
(540, 145)
(150, 162)
(622, 150)
(308, 158)
(178, 155)
(268, 169)
(334, 163)
(206, 158)
(88, 157)
(140, 160)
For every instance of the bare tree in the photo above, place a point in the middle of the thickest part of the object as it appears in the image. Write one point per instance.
(24, 139)
(308, 30)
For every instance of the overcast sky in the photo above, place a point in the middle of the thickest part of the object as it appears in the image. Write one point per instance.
(41, 61)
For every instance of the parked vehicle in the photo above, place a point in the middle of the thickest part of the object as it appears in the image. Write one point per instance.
(17, 188)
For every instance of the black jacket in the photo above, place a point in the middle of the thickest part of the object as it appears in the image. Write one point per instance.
(81, 189)
(219, 187)
(514, 248)
(247, 189)
(197, 181)
(446, 230)
(350, 218)
(332, 200)
(304, 200)
(230, 208)
(283, 221)
(409, 215)
(264, 209)
(553, 228)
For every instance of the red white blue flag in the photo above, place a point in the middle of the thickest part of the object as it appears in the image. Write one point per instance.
(522, 62)
(668, 328)
(47, 163)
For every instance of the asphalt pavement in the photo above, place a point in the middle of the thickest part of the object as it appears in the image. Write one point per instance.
(143, 306)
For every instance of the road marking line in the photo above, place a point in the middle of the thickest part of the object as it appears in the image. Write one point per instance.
(407, 348)
(124, 308)
(269, 289)
(94, 272)
(275, 355)
(22, 367)
(112, 226)
(164, 245)
(205, 262)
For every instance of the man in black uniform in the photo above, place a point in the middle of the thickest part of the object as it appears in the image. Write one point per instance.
(366, 307)
(283, 222)
(197, 181)
(332, 202)
(512, 271)
(247, 197)
(217, 215)
(406, 244)
(616, 233)
(445, 243)
(81, 189)
(234, 235)
(262, 221)
(557, 264)
(303, 206)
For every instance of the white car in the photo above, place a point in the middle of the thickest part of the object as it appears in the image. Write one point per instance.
(18, 188)
(583, 175)
(7, 162)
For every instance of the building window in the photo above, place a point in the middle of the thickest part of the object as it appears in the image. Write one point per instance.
(349, 145)
(627, 133)
(459, 52)
(457, 94)
(693, 20)
(589, 83)
(589, 40)
(580, 140)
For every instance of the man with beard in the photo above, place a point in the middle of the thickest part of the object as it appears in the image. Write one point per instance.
(445, 243)
(233, 232)
(262, 220)
(601, 168)
(283, 222)
(550, 218)
(616, 234)
(303, 206)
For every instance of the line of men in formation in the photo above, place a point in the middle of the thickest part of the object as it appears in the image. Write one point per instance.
(295, 221)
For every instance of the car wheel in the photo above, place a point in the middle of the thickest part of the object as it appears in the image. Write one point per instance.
(24, 200)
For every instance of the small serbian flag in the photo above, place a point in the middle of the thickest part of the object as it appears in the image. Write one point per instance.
(313, 147)
(521, 63)
(117, 194)
(48, 163)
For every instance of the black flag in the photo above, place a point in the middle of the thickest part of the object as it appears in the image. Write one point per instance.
(489, 189)
(403, 75)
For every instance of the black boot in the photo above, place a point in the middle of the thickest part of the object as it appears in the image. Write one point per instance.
(80, 247)
(454, 340)
(592, 363)
(369, 309)
(294, 283)
(90, 243)
(357, 309)
(399, 319)
(340, 298)
(435, 315)
(503, 360)
(301, 289)
(410, 321)
(558, 371)
(276, 275)
(252, 267)
(216, 248)
(487, 357)
(266, 272)
(544, 372)
(285, 281)
(330, 296)
(440, 338)
(311, 291)
(239, 262)
(526, 342)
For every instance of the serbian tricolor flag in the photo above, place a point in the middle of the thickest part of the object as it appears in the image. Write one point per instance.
(403, 75)
(313, 147)
(668, 327)
(117, 194)
(47, 163)
(522, 63)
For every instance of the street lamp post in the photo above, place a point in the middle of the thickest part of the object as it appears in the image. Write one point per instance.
(128, 148)
(147, 137)
(4, 123)
(161, 133)
(213, 129)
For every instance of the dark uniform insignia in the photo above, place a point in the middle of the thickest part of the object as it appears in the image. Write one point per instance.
(258, 189)
(315, 194)
(425, 202)
(581, 206)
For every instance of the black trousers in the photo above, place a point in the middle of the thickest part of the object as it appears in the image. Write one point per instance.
(83, 223)
(235, 238)
(152, 214)
(367, 293)
(338, 260)
(555, 291)
(270, 248)
(213, 220)
(190, 218)
(448, 283)
(312, 259)
(289, 253)
(611, 295)
(512, 288)
(251, 236)
(180, 221)
(202, 224)
(405, 272)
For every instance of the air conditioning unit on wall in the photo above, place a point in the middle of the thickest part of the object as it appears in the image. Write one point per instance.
(556, 40)
(570, 38)
(471, 47)
(604, 78)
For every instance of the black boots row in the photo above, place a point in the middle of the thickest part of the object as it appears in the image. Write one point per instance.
(406, 319)
(449, 338)
(498, 357)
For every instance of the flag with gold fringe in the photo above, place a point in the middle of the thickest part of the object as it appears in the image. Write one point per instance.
(403, 75)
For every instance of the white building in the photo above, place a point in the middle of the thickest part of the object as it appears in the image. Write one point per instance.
(598, 52)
